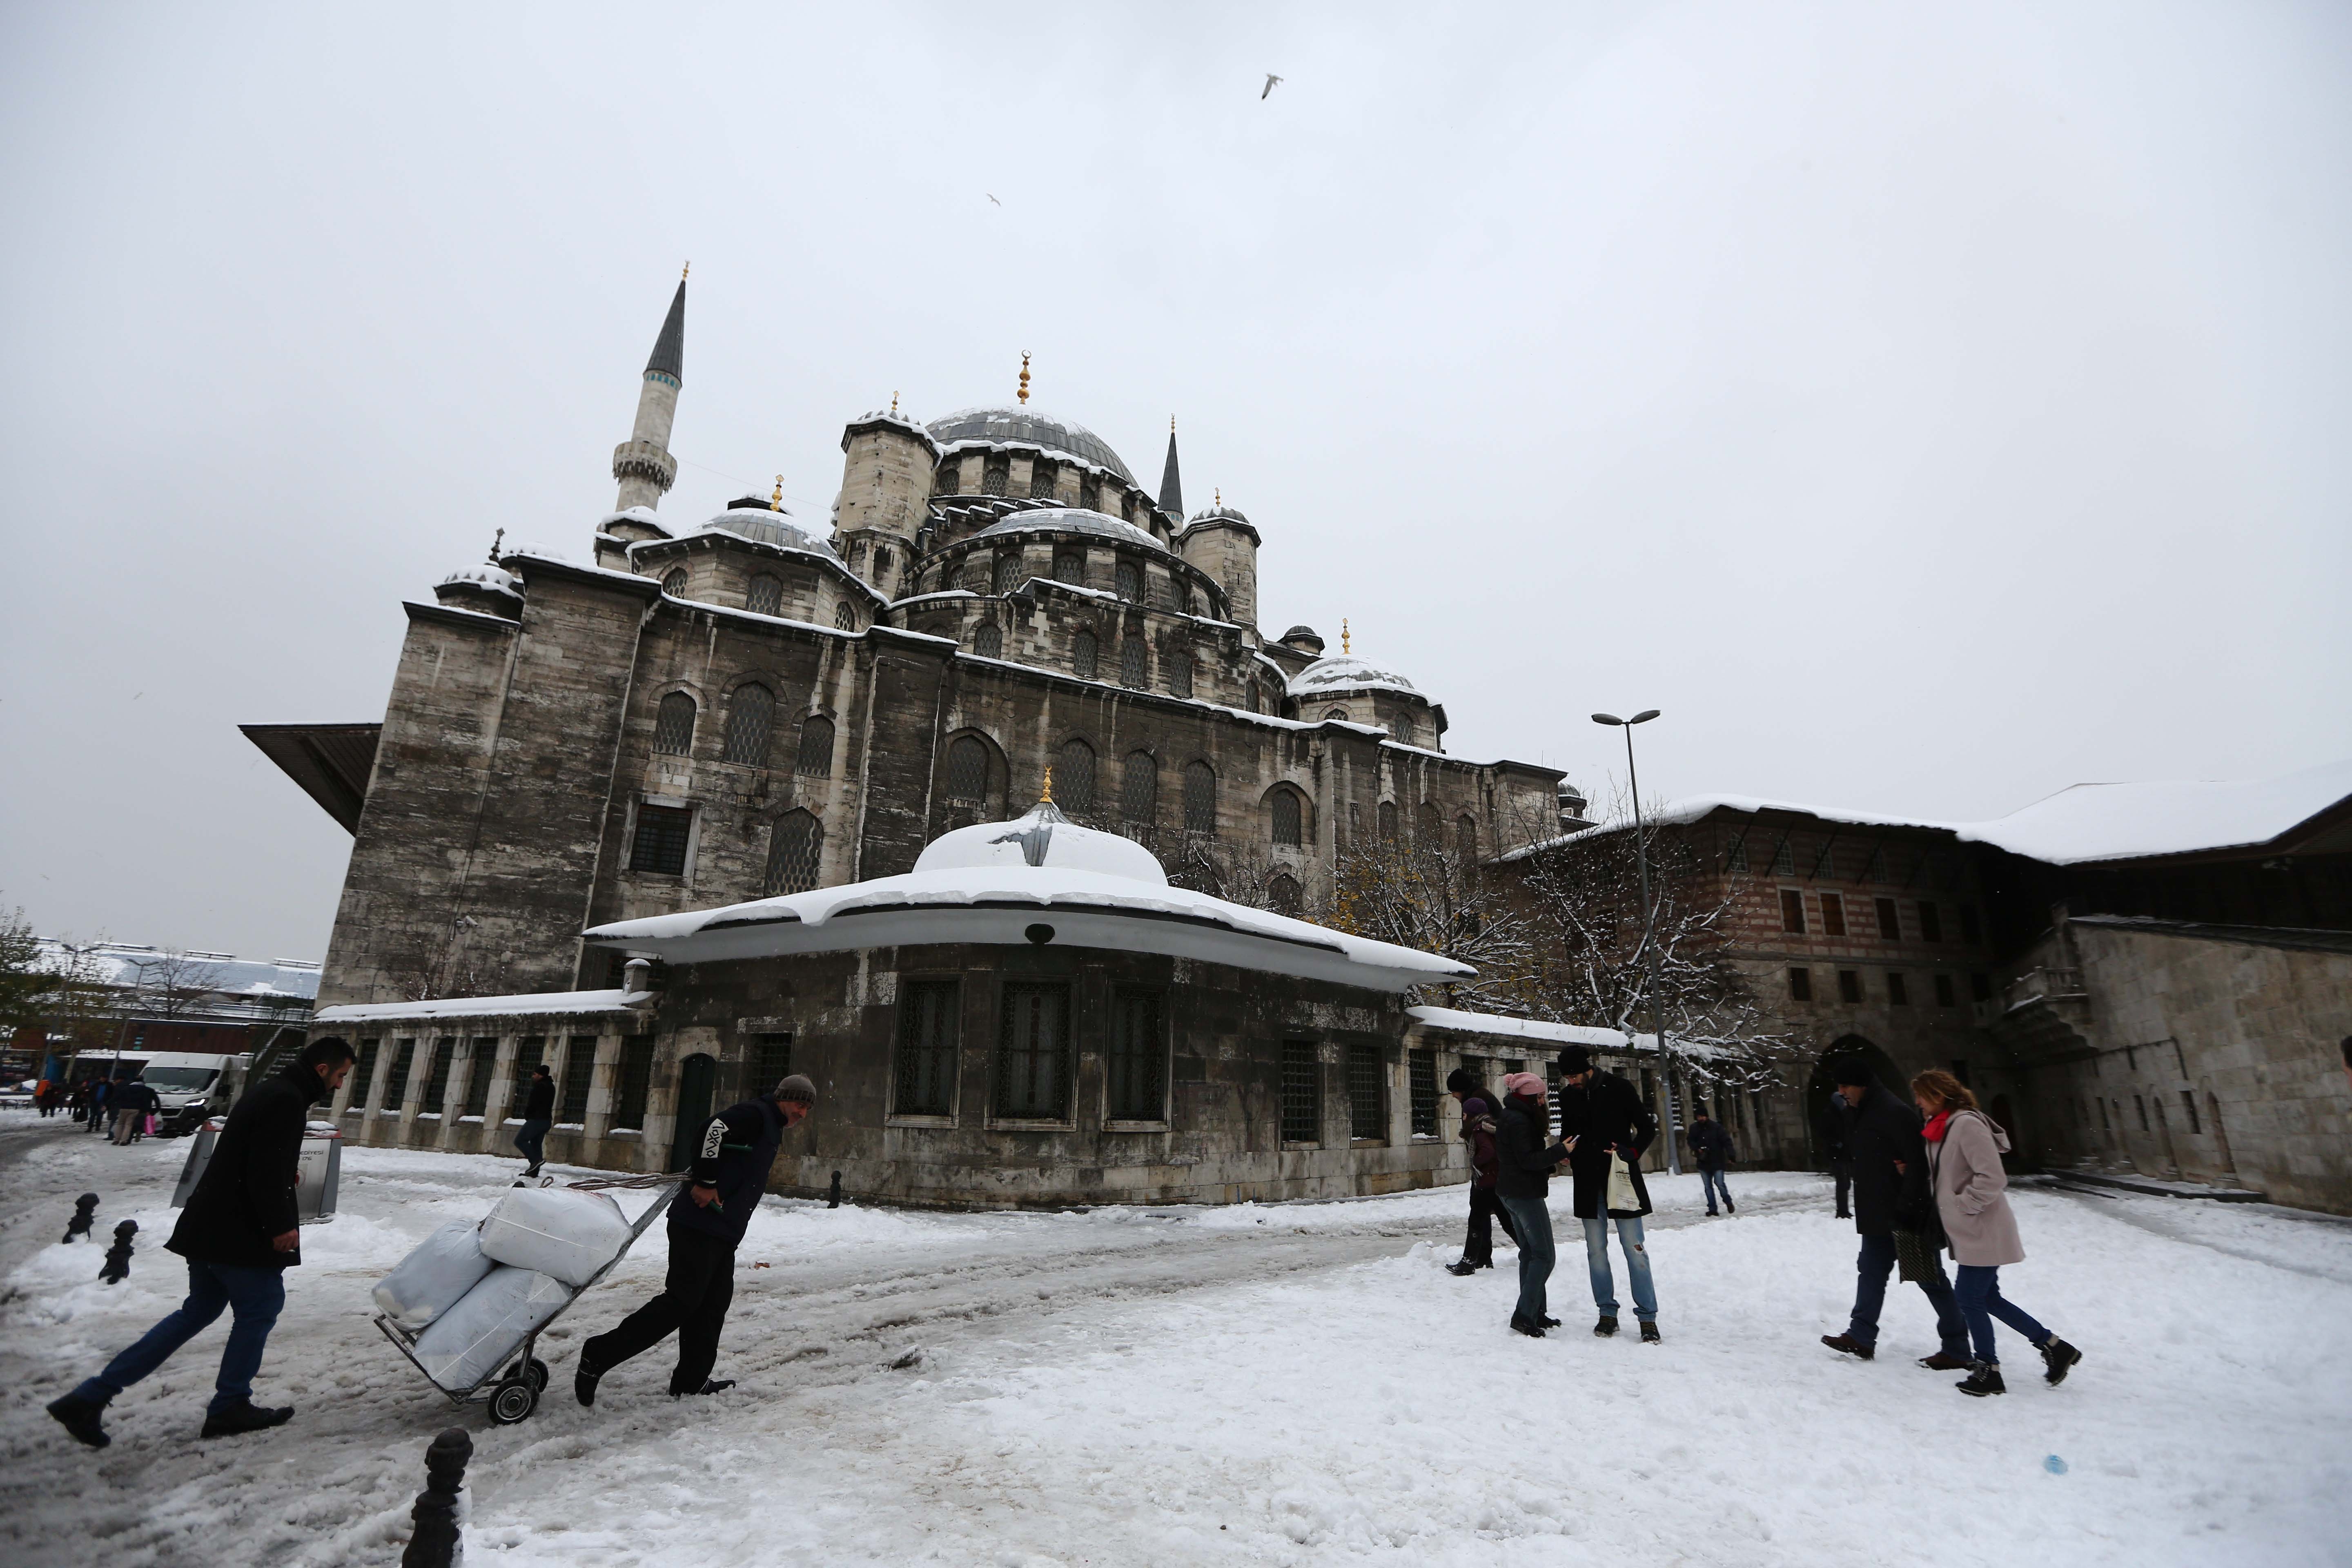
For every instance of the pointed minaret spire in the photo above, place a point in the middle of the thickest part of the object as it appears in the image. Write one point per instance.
(642, 463)
(1171, 483)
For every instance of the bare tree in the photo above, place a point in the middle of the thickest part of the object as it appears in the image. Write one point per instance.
(1417, 892)
(54, 988)
(174, 983)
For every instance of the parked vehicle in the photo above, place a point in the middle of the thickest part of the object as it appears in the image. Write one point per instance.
(191, 1086)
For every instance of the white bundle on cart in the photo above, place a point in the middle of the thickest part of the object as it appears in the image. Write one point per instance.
(467, 1340)
(556, 1231)
(431, 1280)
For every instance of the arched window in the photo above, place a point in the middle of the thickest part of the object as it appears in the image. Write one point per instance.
(1465, 839)
(1285, 894)
(1426, 826)
(674, 725)
(767, 595)
(1127, 581)
(1388, 821)
(950, 471)
(815, 758)
(750, 714)
(1250, 696)
(882, 564)
(1084, 652)
(1134, 664)
(674, 582)
(1069, 566)
(1138, 789)
(988, 641)
(795, 850)
(1199, 798)
(1284, 807)
(1180, 673)
(1090, 493)
(968, 769)
(845, 617)
(1339, 714)
(1182, 592)
(857, 554)
(1073, 779)
(998, 477)
(1041, 480)
(1403, 731)
(1007, 573)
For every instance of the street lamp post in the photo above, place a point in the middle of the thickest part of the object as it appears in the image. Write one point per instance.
(1649, 934)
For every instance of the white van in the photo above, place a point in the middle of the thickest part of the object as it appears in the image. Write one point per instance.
(192, 1086)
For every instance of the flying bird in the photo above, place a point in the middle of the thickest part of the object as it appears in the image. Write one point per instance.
(992, 197)
(1270, 79)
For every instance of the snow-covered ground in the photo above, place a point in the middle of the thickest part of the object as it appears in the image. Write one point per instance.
(1279, 1385)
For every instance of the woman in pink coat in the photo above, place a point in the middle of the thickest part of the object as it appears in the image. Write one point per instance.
(1964, 1150)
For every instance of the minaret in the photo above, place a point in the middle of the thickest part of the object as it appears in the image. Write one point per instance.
(643, 463)
(1171, 484)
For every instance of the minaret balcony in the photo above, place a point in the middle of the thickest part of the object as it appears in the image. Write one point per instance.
(644, 460)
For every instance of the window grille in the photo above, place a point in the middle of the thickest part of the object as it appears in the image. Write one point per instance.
(528, 1053)
(751, 717)
(1801, 984)
(1302, 1093)
(845, 617)
(1890, 925)
(1931, 921)
(1899, 990)
(1849, 984)
(795, 852)
(1180, 674)
(1388, 821)
(1876, 870)
(1735, 858)
(997, 478)
(1070, 567)
(674, 725)
(1832, 915)
(637, 1081)
(968, 769)
(772, 1062)
(1134, 664)
(1138, 789)
(1421, 1070)
(1138, 1051)
(1199, 798)
(1032, 1075)
(1784, 864)
(674, 582)
(1792, 911)
(396, 1084)
(927, 1048)
(362, 1078)
(1944, 995)
(1041, 480)
(1127, 581)
(1084, 651)
(480, 1066)
(1825, 863)
(1339, 714)
(988, 640)
(1005, 572)
(1367, 1110)
(1285, 894)
(660, 843)
(815, 758)
(950, 472)
(1090, 494)
(1284, 812)
(437, 1080)
(1401, 729)
(579, 1072)
(1465, 839)
(767, 595)
(1073, 779)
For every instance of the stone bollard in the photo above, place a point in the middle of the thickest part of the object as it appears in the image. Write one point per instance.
(85, 1214)
(832, 1199)
(118, 1256)
(436, 1542)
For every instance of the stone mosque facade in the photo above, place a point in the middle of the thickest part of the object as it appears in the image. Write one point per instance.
(691, 716)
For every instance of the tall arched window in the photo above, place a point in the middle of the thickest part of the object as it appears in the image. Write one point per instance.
(1084, 652)
(988, 641)
(998, 477)
(1007, 573)
(1090, 493)
(1284, 809)
(1127, 580)
(1199, 798)
(750, 714)
(967, 769)
(1182, 592)
(767, 595)
(1339, 714)
(1388, 821)
(1426, 826)
(883, 561)
(1069, 566)
(845, 617)
(815, 758)
(1138, 789)
(1403, 730)
(1285, 894)
(674, 582)
(1134, 664)
(1041, 480)
(1180, 673)
(1073, 778)
(1465, 839)
(795, 851)
(1249, 694)
(674, 724)
(951, 471)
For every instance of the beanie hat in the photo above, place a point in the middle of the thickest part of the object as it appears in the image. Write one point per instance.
(1462, 1080)
(796, 1087)
(1852, 1070)
(1574, 1060)
(1524, 1083)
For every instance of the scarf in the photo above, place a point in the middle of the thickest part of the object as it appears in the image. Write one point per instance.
(1934, 1132)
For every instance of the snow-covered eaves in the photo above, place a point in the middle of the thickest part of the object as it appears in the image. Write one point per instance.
(550, 1004)
(1494, 1025)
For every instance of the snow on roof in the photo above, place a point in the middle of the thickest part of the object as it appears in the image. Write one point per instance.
(1027, 426)
(991, 884)
(540, 1002)
(483, 575)
(1497, 1025)
(129, 965)
(1345, 672)
(1073, 519)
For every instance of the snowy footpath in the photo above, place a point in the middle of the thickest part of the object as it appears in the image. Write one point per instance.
(1281, 1384)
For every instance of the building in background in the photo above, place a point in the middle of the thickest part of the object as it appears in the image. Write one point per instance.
(119, 997)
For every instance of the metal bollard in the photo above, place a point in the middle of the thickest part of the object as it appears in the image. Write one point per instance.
(832, 1199)
(436, 1542)
(85, 1214)
(117, 1268)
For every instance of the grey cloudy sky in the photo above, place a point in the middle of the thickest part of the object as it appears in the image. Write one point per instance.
(1926, 406)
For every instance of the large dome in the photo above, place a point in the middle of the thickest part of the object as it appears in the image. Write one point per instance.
(1345, 672)
(1030, 426)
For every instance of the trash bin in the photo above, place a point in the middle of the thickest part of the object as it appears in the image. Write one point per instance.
(319, 1174)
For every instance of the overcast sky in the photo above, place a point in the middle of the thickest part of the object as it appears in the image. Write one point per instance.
(1927, 408)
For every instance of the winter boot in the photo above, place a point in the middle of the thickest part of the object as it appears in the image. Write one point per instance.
(1606, 1326)
(80, 1417)
(1465, 1268)
(584, 1383)
(1551, 1322)
(1983, 1378)
(1650, 1335)
(709, 1385)
(1846, 1344)
(2058, 1356)
(1521, 1326)
(1945, 1361)
(246, 1417)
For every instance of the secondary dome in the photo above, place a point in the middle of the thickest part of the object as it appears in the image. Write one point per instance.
(1345, 672)
(1043, 838)
(762, 526)
(1073, 519)
(1000, 425)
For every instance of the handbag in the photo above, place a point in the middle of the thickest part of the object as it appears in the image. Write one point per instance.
(1915, 1259)
(1621, 1198)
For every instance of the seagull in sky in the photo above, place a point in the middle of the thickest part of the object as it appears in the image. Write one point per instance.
(1270, 79)
(992, 197)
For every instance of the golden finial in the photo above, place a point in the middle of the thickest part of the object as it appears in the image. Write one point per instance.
(1047, 798)
(1343, 636)
(1218, 493)
(894, 406)
(683, 276)
(1024, 375)
(1171, 424)
(776, 501)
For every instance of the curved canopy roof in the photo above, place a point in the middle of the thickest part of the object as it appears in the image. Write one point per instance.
(762, 526)
(1028, 425)
(1073, 519)
(1345, 672)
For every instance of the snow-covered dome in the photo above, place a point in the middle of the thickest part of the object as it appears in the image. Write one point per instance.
(1073, 519)
(496, 579)
(1043, 838)
(996, 426)
(1345, 672)
(762, 525)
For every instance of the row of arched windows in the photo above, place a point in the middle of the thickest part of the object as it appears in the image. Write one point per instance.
(766, 594)
(750, 729)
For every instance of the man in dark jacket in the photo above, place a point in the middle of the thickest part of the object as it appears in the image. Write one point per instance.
(1882, 1136)
(1481, 1107)
(1831, 1123)
(538, 1116)
(1523, 1168)
(239, 1234)
(1602, 1116)
(1711, 1151)
(707, 1219)
(130, 1102)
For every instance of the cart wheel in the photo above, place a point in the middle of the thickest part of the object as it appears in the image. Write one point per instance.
(537, 1372)
(513, 1400)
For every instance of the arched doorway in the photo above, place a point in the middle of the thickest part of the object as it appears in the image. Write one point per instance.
(698, 1074)
(1822, 1086)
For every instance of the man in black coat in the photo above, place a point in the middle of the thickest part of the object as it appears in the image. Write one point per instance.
(1882, 1136)
(239, 1234)
(1831, 1123)
(1481, 1109)
(130, 1102)
(707, 1219)
(1602, 1116)
(1711, 1151)
(538, 1116)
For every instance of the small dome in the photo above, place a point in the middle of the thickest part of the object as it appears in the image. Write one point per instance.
(1045, 839)
(762, 526)
(496, 579)
(1028, 425)
(1222, 511)
(1345, 672)
(1073, 519)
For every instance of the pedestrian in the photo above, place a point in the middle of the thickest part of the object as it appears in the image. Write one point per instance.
(98, 1088)
(1971, 1191)
(131, 1102)
(538, 1116)
(1831, 1125)
(1890, 1194)
(707, 1220)
(1711, 1151)
(77, 1101)
(239, 1232)
(1603, 1117)
(1481, 1112)
(1523, 1183)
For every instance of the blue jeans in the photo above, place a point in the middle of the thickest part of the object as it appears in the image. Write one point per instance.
(1871, 1266)
(1981, 1302)
(1637, 1267)
(257, 1295)
(1711, 1184)
(531, 1139)
(1532, 1221)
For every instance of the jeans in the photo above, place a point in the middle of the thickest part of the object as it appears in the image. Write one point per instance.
(1637, 1266)
(1872, 1265)
(257, 1295)
(1531, 1228)
(1478, 1245)
(1981, 1302)
(1711, 1183)
(694, 1301)
(531, 1140)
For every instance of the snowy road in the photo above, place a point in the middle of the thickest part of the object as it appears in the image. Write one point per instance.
(1299, 1384)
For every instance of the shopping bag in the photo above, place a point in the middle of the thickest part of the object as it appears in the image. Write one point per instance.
(1622, 1198)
